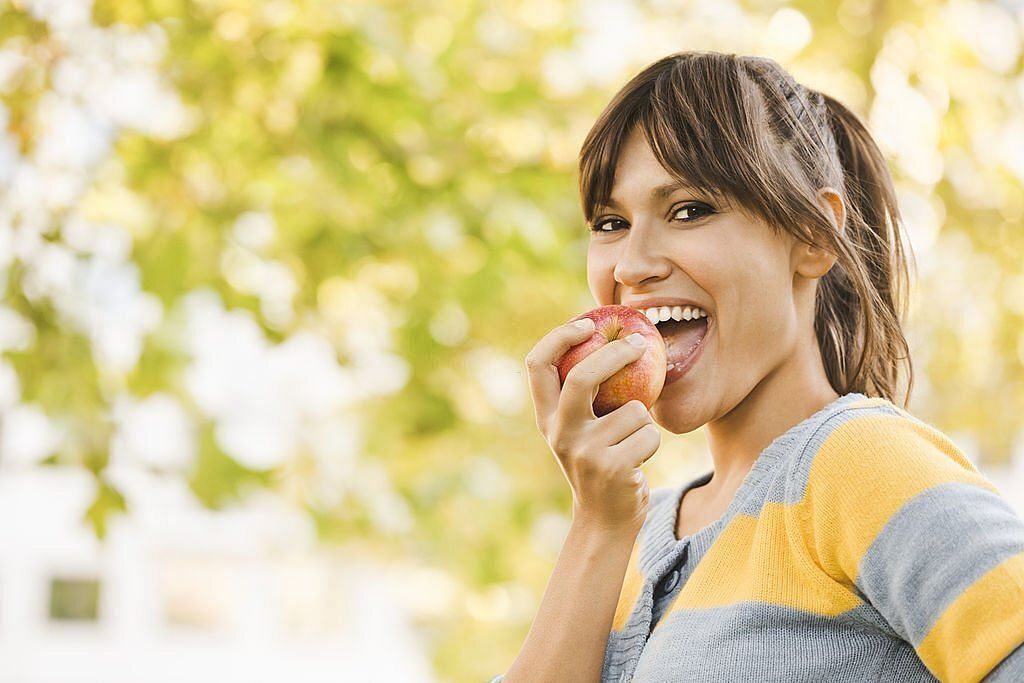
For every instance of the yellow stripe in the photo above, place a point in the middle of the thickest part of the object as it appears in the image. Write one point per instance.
(631, 585)
(980, 628)
(753, 559)
(865, 471)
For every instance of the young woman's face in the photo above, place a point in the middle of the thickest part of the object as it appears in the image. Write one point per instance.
(686, 246)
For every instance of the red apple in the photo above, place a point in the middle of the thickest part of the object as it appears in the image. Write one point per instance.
(643, 379)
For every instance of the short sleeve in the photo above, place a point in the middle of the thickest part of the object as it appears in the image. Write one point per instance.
(894, 511)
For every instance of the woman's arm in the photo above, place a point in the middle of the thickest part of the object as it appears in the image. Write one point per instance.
(567, 640)
(893, 508)
(601, 458)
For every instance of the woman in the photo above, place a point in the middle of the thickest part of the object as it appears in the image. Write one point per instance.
(838, 537)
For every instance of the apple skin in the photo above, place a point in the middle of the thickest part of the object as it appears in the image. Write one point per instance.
(643, 379)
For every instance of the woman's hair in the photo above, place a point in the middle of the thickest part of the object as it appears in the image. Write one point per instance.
(741, 129)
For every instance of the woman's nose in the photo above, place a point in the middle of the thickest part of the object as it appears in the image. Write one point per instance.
(641, 260)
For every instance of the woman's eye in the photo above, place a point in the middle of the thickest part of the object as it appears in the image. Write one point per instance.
(699, 208)
(597, 226)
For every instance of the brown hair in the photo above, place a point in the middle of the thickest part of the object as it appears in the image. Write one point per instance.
(740, 128)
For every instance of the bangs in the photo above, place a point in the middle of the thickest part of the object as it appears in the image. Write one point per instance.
(698, 114)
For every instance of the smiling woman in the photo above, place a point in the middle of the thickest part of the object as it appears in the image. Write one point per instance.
(838, 537)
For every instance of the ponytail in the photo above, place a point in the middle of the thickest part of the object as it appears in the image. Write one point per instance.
(862, 300)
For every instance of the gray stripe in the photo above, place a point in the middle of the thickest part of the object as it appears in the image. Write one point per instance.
(1010, 670)
(754, 641)
(936, 545)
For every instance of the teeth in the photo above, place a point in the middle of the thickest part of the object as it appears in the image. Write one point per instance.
(663, 313)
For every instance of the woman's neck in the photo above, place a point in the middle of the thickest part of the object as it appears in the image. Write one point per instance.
(786, 397)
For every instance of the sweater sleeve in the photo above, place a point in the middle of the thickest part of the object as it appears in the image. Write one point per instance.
(895, 512)
(1010, 670)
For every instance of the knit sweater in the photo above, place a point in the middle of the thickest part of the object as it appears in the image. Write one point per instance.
(861, 546)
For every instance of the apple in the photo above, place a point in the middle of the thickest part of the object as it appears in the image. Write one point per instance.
(643, 379)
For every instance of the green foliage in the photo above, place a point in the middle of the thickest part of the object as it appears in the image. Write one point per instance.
(217, 480)
(108, 502)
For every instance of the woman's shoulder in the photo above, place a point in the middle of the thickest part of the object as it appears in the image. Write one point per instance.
(872, 440)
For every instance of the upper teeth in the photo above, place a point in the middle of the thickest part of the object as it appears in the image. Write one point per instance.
(663, 313)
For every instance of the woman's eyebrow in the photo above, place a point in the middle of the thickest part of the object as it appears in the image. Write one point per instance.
(657, 194)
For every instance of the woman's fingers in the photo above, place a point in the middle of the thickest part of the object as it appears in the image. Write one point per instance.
(638, 447)
(623, 421)
(584, 380)
(541, 372)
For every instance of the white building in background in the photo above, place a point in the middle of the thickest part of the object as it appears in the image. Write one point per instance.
(1009, 478)
(178, 593)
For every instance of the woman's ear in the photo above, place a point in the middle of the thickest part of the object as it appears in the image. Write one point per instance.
(813, 262)
(835, 209)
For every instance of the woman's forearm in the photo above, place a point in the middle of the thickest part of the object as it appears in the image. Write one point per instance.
(567, 640)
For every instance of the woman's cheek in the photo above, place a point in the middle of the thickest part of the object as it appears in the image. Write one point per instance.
(601, 276)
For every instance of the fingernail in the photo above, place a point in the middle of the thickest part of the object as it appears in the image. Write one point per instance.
(584, 324)
(636, 339)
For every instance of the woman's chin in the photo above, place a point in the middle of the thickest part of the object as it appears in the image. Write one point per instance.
(678, 417)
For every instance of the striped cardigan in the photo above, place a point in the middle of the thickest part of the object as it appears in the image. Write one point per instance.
(861, 546)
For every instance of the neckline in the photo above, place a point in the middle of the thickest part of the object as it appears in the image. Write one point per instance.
(662, 538)
(694, 483)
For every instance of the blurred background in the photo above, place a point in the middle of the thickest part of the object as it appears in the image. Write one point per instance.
(269, 272)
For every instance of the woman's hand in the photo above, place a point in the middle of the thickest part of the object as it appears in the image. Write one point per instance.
(600, 456)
